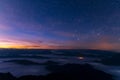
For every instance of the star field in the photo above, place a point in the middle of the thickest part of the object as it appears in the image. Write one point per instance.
(60, 24)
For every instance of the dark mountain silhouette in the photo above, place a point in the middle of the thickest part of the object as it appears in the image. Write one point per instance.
(65, 72)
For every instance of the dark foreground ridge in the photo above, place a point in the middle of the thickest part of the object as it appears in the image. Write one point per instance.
(65, 72)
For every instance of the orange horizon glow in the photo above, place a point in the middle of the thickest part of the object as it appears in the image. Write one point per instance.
(103, 44)
(95, 47)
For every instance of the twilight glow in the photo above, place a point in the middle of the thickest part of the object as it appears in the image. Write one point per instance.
(60, 24)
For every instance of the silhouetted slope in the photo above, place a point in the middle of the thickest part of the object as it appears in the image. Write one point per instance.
(65, 72)
(77, 72)
(7, 76)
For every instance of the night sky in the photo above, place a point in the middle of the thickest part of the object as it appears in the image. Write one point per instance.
(60, 24)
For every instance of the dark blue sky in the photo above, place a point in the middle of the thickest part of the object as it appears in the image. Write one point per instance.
(93, 24)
